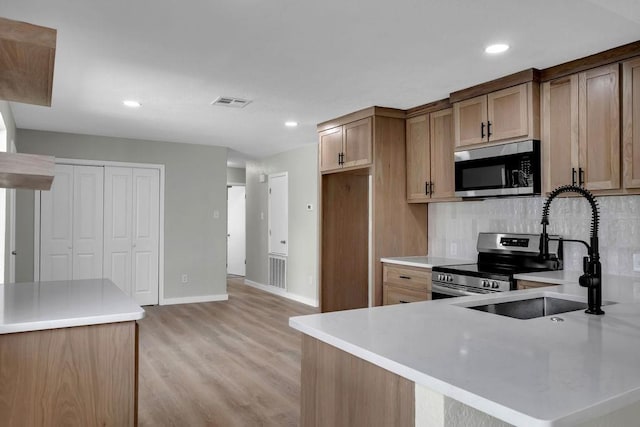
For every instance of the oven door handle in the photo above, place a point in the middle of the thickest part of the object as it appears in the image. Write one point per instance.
(451, 291)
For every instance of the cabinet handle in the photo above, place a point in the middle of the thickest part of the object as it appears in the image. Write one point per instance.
(426, 188)
(405, 277)
(340, 158)
(482, 130)
(403, 302)
(431, 187)
(573, 176)
(488, 129)
(580, 177)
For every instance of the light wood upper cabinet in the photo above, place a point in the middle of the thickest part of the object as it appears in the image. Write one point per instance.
(581, 131)
(442, 148)
(418, 158)
(506, 115)
(345, 146)
(470, 121)
(330, 148)
(430, 146)
(631, 123)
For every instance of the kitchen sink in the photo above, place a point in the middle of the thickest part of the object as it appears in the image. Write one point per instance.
(532, 308)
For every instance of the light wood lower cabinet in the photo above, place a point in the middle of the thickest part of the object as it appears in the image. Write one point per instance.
(526, 284)
(79, 376)
(339, 389)
(405, 284)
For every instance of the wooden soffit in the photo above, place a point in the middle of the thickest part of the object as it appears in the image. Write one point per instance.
(27, 54)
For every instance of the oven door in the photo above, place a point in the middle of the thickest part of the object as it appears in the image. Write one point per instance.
(441, 290)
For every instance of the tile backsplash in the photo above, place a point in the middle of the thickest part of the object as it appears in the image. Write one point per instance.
(454, 227)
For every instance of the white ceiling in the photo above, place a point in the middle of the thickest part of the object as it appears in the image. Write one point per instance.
(297, 60)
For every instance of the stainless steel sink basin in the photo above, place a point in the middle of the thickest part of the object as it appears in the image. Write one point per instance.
(532, 308)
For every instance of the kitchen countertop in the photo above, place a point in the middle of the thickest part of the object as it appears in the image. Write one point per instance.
(526, 372)
(423, 261)
(36, 306)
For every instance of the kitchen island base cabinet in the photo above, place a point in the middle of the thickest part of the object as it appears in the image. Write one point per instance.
(78, 376)
(340, 390)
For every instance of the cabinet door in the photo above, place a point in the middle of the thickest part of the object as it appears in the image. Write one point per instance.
(559, 132)
(599, 132)
(357, 143)
(418, 162)
(508, 113)
(631, 123)
(470, 121)
(330, 147)
(392, 294)
(442, 147)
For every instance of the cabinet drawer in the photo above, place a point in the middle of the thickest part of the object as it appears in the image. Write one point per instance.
(415, 278)
(525, 284)
(397, 295)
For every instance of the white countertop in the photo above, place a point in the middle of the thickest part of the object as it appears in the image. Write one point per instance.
(424, 261)
(36, 306)
(526, 372)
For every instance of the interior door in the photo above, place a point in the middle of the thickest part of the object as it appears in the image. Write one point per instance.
(146, 232)
(236, 230)
(279, 213)
(88, 184)
(56, 227)
(118, 233)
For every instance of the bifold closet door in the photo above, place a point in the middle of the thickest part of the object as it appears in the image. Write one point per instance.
(71, 222)
(132, 220)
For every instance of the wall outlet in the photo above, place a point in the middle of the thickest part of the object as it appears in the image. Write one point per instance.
(216, 214)
(185, 278)
(261, 215)
(636, 262)
(453, 249)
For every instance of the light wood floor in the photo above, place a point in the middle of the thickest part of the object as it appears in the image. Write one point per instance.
(230, 363)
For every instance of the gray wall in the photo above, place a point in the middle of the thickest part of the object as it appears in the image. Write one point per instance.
(9, 122)
(195, 186)
(302, 263)
(236, 176)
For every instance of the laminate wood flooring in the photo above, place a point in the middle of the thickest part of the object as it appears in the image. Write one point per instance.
(227, 363)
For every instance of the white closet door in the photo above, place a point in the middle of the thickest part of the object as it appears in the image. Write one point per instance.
(117, 226)
(56, 227)
(87, 221)
(279, 213)
(146, 223)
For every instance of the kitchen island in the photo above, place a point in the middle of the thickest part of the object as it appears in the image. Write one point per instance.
(444, 364)
(68, 354)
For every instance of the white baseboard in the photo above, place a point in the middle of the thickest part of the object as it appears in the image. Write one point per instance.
(277, 291)
(191, 300)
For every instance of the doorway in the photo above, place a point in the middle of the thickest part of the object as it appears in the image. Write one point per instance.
(236, 230)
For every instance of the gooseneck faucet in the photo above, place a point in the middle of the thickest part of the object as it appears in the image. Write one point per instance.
(592, 277)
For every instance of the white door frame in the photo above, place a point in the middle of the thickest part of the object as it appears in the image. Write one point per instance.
(81, 162)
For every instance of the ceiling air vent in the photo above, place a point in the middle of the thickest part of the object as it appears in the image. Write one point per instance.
(227, 101)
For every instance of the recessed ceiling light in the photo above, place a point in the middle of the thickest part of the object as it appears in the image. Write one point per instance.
(131, 103)
(496, 48)
(291, 124)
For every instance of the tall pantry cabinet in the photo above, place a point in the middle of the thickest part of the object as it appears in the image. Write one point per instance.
(364, 214)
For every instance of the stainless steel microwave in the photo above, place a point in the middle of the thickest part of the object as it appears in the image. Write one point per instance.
(511, 169)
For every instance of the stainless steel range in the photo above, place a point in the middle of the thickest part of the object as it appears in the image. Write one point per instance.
(500, 256)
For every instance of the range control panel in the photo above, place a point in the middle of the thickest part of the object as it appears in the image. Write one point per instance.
(514, 242)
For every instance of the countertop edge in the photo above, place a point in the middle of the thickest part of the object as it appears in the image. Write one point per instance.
(428, 262)
(70, 323)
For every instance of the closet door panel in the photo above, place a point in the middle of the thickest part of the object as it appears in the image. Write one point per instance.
(118, 226)
(146, 222)
(56, 227)
(88, 202)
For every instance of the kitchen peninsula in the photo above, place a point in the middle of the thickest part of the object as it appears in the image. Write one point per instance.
(443, 364)
(68, 354)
